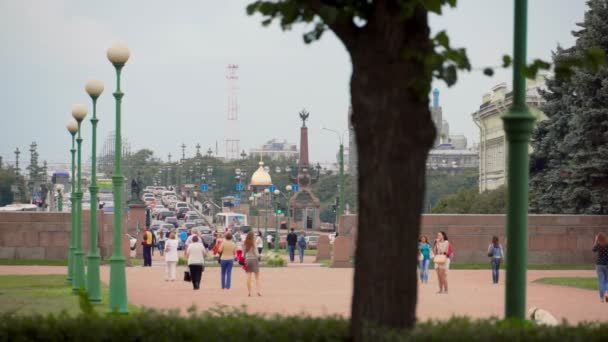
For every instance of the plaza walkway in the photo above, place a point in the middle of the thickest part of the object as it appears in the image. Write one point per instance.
(321, 290)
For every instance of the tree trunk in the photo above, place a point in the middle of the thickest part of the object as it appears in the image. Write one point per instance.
(394, 133)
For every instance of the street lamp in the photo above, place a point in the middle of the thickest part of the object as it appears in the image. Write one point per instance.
(118, 54)
(341, 190)
(288, 188)
(94, 88)
(276, 233)
(72, 127)
(79, 112)
(266, 198)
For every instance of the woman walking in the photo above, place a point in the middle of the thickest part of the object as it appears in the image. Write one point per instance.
(600, 246)
(227, 253)
(196, 261)
(496, 255)
(161, 241)
(443, 252)
(171, 257)
(251, 260)
(424, 248)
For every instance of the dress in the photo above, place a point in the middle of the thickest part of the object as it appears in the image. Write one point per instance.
(251, 260)
(442, 248)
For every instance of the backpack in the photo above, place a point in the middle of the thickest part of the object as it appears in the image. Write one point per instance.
(302, 241)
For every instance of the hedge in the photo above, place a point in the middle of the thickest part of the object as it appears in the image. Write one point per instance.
(238, 326)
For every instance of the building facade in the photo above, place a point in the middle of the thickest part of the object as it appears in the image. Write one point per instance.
(446, 156)
(275, 149)
(492, 138)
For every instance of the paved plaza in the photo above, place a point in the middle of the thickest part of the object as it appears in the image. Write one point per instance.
(315, 290)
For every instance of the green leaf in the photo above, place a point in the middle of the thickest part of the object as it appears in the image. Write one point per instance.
(506, 61)
(450, 75)
(488, 72)
(594, 58)
(432, 5)
(442, 39)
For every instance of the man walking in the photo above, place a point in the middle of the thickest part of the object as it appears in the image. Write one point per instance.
(292, 238)
(147, 243)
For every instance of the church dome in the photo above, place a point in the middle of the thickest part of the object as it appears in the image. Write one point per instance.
(260, 177)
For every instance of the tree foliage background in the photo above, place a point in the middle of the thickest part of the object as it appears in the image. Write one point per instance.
(569, 166)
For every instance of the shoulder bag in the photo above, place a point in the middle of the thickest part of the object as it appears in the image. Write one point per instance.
(440, 259)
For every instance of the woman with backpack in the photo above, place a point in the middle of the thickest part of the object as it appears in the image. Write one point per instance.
(443, 251)
(496, 255)
(301, 246)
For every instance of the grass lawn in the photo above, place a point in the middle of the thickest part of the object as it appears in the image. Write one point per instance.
(12, 262)
(486, 266)
(310, 252)
(578, 282)
(43, 294)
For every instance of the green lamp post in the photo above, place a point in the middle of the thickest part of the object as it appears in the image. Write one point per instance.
(79, 112)
(266, 198)
(518, 123)
(276, 216)
(72, 127)
(288, 188)
(118, 54)
(94, 88)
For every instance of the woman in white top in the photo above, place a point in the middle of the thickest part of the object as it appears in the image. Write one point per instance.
(171, 257)
(442, 247)
(196, 261)
(259, 243)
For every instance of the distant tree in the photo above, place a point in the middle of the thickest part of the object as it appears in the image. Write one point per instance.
(470, 201)
(569, 165)
(7, 180)
(440, 183)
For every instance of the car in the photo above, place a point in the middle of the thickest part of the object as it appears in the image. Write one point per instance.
(157, 209)
(173, 220)
(188, 225)
(156, 224)
(181, 212)
(164, 214)
(167, 226)
(205, 230)
(159, 190)
(199, 222)
(191, 217)
(182, 205)
(311, 242)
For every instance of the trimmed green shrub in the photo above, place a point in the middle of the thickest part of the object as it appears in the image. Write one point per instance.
(234, 325)
(182, 261)
(273, 259)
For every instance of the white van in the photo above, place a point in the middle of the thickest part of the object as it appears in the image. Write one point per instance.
(227, 221)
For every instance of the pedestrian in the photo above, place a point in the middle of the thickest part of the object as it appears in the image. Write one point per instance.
(196, 253)
(600, 246)
(292, 239)
(259, 244)
(496, 255)
(301, 245)
(443, 251)
(171, 257)
(424, 258)
(227, 253)
(251, 260)
(154, 242)
(147, 243)
(269, 240)
(161, 242)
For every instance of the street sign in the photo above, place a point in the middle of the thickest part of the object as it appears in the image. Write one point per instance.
(272, 188)
(295, 188)
(240, 187)
(237, 195)
(204, 187)
(237, 202)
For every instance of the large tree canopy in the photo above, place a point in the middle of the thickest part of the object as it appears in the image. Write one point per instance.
(570, 161)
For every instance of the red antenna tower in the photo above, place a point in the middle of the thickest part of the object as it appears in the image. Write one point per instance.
(232, 126)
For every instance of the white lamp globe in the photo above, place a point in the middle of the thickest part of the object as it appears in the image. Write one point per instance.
(251, 198)
(79, 112)
(288, 188)
(276, 192)
(72, 126)
(94, 88)
(118, 53)
(266, 191)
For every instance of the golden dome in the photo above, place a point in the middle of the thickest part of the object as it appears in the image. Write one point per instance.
(260, 177)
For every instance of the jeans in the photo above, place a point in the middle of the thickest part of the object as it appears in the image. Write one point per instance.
(301, 250)
(424, 270)
(226, 266)
(260, 253)
(495, 269)
(161, 247)
(291, 250)
(147, 255)
(196, 273)
(602, 279)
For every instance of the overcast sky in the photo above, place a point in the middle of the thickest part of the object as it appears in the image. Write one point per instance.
(175, 86)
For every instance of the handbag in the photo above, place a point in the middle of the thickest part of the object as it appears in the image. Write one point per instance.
(219, 258)
(187, 276)
(440, 259)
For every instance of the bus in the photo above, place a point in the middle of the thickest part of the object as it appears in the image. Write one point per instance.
(63, 178)
(228, 221)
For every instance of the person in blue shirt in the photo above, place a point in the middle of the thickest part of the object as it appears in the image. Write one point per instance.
(424, 258)
(496, 255)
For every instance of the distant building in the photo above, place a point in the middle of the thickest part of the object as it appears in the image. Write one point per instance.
(492, 139)
(437, 116)
(446, 156)
(275, 149)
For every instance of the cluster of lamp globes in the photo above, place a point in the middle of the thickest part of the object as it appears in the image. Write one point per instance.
(288, 188)
(118, 54)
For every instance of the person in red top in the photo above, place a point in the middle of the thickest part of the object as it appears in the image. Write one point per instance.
(147, 243)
